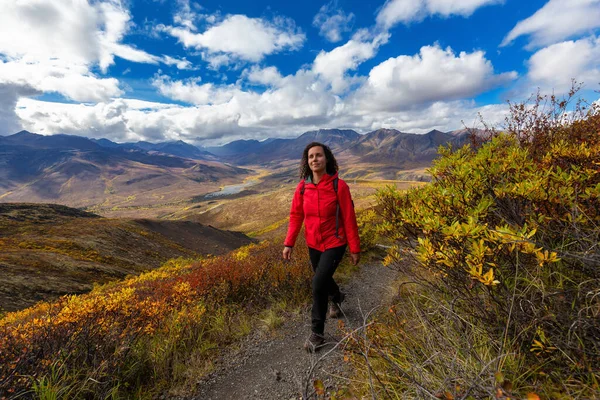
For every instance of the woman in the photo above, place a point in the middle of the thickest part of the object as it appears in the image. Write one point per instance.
(323, 202)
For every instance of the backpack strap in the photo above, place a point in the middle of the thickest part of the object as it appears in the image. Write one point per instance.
(337, 207)
(303, 187)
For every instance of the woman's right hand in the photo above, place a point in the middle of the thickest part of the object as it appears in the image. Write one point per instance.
(287, 253)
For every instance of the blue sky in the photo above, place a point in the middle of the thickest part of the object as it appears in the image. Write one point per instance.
(212, 72)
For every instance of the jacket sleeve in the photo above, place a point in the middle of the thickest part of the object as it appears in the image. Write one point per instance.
(296, 218)
(349, 217)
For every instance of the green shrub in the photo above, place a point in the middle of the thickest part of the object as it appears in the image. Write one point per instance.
(367, 228)
(508, 231)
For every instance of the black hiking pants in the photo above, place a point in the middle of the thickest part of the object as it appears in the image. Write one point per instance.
(324, 287)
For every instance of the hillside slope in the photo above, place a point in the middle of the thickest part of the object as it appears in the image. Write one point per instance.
(51, 250)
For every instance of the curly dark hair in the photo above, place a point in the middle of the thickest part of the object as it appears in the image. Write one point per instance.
(331, 167)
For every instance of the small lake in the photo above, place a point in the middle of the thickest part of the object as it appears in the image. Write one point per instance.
(231, 189)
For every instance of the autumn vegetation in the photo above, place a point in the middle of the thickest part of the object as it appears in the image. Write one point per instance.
(499, 253)
(147, 333)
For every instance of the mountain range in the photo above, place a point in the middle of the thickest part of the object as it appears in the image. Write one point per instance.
(386, 146)
(345, 142)
(80, 172)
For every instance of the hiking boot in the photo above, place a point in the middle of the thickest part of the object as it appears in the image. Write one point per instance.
(334, 308)
(314, 342)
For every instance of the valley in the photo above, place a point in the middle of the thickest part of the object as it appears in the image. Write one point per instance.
(154, 180)
(76, 212)
(49, 250)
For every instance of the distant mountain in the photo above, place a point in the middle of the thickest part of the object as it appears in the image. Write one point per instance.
(80, 172)
(404, 149)
(177, 148)
(65, 142)
(244, 152)
(106, 143)
(333, 138)
(383, 146)
(182, 149)
(389, 146)
(146, 146)
(236, 148)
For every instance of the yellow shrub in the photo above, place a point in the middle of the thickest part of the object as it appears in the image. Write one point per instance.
(514, 238)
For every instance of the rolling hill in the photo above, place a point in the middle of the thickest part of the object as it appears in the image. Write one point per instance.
(50, 250)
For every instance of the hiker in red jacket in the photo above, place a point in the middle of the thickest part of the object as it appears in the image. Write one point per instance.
(323, 202)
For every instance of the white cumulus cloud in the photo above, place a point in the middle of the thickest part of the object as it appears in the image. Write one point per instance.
(556, 21)
(185, 16)
(289, 105)
(191, 91)
(41, 30)
(72, 81)
(288, 112)
(555, 66)
(333, 22)
(441, 115)
(241, 37)
(435, 74)
(407, 11)
(179, 63)
(268, 76)
(9, 95)
(53, 47)
(73, 31)
(332, 66)
(99, 120)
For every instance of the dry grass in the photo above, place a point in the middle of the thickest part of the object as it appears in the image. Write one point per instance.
(420, 348)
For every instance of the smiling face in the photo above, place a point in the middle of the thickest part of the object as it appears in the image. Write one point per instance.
(317, 160)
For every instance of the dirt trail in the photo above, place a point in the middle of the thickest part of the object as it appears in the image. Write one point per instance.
(277, 367)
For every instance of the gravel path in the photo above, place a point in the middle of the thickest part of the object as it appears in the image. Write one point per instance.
(275, 366)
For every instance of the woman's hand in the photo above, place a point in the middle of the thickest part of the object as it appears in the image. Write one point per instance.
(287, 253)
(355, 257)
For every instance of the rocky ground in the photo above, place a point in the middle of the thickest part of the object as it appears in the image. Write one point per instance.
(276, 366)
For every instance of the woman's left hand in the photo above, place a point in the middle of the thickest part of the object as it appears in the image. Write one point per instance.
(355, 257)
(287, 253)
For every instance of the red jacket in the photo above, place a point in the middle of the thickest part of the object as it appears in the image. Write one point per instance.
(316, 208)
